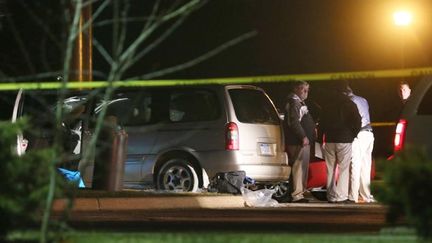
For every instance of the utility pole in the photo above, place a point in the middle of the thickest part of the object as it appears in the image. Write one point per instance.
(82, 62)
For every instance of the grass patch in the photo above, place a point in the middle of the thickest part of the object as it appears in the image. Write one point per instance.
(390, 235)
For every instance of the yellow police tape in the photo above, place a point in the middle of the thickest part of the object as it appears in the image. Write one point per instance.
(383, 124)
(391, 73)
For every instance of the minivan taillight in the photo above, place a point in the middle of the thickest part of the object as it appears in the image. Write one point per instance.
(231, 136)
(399, 138)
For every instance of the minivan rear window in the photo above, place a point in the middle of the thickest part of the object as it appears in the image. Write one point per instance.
(253, 106)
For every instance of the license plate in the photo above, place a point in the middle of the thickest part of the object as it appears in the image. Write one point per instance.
(266, 149)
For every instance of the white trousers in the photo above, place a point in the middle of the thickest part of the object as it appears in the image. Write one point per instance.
(337, 156)
(361, 164)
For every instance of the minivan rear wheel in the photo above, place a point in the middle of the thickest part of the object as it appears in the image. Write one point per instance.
(177, 175)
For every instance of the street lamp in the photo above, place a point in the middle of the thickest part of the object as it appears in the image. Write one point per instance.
(402, 18)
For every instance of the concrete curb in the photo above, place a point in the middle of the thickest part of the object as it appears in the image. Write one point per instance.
(150, 203)
(150, 212)
(183, 201)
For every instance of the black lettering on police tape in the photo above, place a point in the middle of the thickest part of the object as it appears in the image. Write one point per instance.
(352, 76)
(422, 72)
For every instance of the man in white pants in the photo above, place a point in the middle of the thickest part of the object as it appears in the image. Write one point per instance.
(362, 147)
(340, 124)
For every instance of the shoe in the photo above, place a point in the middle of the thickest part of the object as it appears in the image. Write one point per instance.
(343, 202)
(349, 201)
(367, 200)
(303, 200)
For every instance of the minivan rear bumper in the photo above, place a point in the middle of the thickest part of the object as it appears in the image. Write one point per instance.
(267, 173)
(268, 170)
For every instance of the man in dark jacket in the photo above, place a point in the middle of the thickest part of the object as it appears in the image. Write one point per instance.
(299, 130)
(340, 124)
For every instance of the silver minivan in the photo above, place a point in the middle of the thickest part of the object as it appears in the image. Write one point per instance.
(415, 124)
(180, 137)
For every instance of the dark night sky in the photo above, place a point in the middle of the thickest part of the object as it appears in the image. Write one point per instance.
(294, 37)
(309, 36)
(304, 37)
(301, 37)
(297, 37)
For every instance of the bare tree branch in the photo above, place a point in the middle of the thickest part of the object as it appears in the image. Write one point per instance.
(118, 38)
(147, 32)
(73, 33)
(66, 20)
(120, 59)
(37, 76)
(59, 115)
(21, 45)
(115, 72)
(107, 22)
(43, 54)
(46, 75)
(116, 27)
(99, 11)
(197, 60)
(123, 65)
(126, 54)
(185, 8)
(153, 14)
(159, 40)
(154, 44)
(123, 32)
(41, 24)
(105, 54)
(102, 51)
(94, 16)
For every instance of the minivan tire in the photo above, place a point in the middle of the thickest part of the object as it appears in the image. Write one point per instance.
(177, 175)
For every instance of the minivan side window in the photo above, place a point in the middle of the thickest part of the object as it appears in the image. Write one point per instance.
(131, 108)
(193, 105)
(253, 106)
(425, 107)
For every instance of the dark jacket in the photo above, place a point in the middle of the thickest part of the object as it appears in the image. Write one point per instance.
(340, 120)
(298, 122)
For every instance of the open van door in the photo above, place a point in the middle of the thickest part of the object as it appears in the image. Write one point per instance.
(16, 113)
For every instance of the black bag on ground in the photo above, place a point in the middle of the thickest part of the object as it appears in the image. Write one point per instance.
(228, 182)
